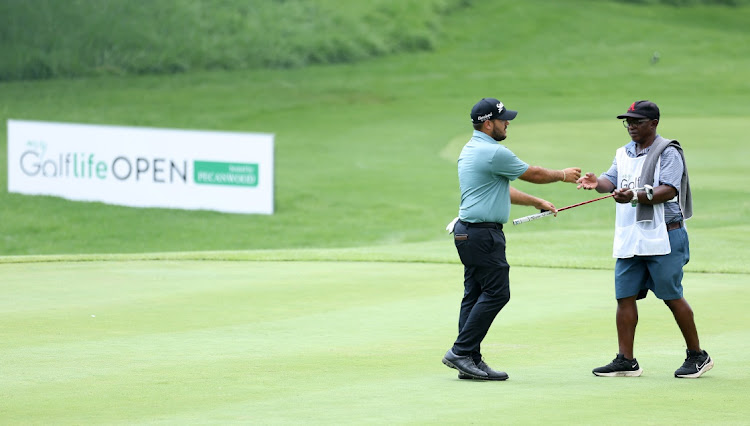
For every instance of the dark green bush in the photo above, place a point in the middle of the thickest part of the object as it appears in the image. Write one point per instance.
(42, 39)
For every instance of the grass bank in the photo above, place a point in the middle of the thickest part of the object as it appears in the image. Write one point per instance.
(365, 153)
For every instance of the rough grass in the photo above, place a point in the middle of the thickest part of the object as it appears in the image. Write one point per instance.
(365, 153)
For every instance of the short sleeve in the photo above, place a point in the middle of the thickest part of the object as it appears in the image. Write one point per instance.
(670, 168)
(506, 164)
(611, 174)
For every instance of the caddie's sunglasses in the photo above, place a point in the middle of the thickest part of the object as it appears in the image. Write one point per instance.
(635, 123)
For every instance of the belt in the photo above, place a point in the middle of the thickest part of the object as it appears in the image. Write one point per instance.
(483, 225)
(674, 225)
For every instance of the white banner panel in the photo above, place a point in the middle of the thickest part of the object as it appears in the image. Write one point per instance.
(143, 167)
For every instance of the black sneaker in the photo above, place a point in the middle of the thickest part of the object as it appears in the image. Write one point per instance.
(620, 367)
(695, 365)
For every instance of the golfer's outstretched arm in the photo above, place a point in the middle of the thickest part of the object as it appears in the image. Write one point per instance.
(536, 174)
(524, 199)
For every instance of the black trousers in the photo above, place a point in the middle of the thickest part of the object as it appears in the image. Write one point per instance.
(486, 283)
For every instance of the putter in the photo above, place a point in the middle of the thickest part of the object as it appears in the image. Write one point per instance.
(647, 188)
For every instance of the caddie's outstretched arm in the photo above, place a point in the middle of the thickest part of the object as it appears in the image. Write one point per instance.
(590, 181)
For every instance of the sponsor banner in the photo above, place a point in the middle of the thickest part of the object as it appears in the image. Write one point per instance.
(143, 167)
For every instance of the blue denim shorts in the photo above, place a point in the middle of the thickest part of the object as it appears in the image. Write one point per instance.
(660, 274)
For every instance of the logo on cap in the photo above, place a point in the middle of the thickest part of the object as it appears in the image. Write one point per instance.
(500, 108)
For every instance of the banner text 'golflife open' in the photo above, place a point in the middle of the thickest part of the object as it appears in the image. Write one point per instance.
(143, 167)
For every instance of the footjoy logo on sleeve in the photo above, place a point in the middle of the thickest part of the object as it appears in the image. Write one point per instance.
(216, 173)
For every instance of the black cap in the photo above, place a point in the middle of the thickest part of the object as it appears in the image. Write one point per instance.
(490, 109)
(642, 109)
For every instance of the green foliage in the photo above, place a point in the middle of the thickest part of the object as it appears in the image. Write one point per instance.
(51, 38)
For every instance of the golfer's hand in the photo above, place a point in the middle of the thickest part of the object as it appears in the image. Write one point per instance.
(546, 205)
(623, 195)
(588, 181)
(572, 174)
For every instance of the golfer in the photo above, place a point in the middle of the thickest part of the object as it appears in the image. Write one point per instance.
(485, 169)
(651, 242)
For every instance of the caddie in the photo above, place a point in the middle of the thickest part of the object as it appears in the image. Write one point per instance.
(651, 241)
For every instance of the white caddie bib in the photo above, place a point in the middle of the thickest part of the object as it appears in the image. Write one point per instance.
(645, 238)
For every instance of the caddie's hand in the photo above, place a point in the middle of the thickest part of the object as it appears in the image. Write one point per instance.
(546, 205)
(571, 174)
(588, 181)
(623, 195)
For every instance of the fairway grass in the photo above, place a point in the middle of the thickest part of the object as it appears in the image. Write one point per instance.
(186, 342)
(363, 148)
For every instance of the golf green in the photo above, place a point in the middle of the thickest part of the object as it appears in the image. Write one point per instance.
(346, 342)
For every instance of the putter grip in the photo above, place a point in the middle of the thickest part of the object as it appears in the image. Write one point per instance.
(529, 218)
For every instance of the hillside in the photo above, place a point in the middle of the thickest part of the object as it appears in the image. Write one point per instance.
(365, 152)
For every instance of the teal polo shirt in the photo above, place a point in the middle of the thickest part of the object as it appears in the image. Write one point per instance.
(485, 169)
